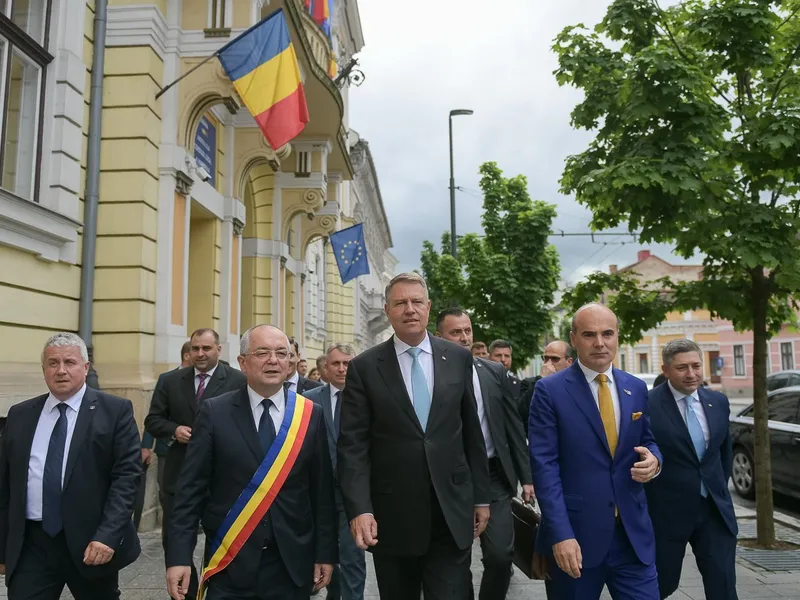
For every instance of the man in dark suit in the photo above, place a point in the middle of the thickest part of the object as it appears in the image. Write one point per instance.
(689, 501)
(592, 450)
(411, 456)
(297, 382)
(69, 468)
(506, 449)
(350, 575)
(557, 357)
(175, 405)
(292, 549)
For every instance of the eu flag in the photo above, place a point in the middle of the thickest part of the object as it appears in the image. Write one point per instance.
(350, 252)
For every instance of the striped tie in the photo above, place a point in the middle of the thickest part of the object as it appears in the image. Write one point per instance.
(201, 387)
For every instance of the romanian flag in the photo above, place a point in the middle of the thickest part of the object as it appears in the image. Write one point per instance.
(262, 65)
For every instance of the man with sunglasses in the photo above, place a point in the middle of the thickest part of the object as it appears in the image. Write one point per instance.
(557, 357)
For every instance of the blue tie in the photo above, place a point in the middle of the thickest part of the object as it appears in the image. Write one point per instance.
(419, 389)
(52, 522)
(696, 433)
(266, 427)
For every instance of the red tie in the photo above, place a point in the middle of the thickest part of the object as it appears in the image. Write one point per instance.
(202, 386)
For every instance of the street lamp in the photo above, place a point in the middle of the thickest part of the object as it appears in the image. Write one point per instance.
(453, 243)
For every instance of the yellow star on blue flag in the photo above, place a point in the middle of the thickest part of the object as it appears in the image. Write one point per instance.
(350, 251)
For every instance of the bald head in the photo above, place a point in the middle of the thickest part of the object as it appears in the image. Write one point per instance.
(594, 336)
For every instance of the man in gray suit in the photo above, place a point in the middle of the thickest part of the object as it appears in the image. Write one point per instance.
(350, 574)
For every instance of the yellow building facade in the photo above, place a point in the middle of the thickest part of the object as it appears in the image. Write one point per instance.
(201, 223)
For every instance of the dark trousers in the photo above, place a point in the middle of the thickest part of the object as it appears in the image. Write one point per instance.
(497, 541)
(169, 501)
(45, 567)
(625, 575)
(273, 583)
(442, 573)
(350, 575)
(714, 548)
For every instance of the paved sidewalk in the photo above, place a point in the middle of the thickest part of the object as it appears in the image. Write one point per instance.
(144, 580)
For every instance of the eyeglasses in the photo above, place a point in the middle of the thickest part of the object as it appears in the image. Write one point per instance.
(265, 354)
(552, 359)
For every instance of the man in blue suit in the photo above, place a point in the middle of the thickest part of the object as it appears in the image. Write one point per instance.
(350, 575)
(592, 451)
(689, 502)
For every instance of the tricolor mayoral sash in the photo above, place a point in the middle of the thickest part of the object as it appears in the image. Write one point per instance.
(254, 502)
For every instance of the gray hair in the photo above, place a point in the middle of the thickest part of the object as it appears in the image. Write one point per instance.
(67, 340)
(679, 347)
(406, 278)
(590, 305)
(244, 342)
(343, 348)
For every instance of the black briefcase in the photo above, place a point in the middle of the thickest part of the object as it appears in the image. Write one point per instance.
(526, 524)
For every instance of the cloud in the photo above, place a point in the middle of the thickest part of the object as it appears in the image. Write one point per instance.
(428, 58)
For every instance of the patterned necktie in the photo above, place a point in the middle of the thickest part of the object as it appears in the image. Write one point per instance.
(337, 411)
(607, 412)
(696, 433)
(419, 389)
(266, 426)
(201, 387)
(52, 522)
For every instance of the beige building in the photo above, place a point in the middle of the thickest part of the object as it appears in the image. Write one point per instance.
(200, 222)
(644, 357)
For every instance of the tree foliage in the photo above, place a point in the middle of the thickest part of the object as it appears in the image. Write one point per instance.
(696, 115)
(506, 279)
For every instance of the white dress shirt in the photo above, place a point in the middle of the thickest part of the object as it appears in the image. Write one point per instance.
(700, 412)
(197, 374)
(276, 410)
(334, 391)
(487, 434)
(595, 387)
(292, 381)
(406, 360)
(41, 442)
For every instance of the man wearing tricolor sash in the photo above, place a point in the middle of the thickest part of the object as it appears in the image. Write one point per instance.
(258, 473)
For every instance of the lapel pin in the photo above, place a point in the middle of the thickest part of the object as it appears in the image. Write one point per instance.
(709, 406)
(92, 407)
(444, 358)
(627, 392)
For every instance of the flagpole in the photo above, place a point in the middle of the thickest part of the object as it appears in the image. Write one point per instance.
(208, 58)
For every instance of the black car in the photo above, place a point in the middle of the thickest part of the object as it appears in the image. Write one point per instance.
(784, 439)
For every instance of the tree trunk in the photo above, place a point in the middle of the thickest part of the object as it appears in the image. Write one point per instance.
(763, 465)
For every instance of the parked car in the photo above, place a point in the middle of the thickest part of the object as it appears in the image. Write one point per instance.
(783, 379)
(784, 439)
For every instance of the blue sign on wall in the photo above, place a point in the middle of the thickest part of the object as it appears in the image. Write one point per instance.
(205, 148)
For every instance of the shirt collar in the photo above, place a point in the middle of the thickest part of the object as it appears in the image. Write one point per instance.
(400, 346)
(592, 375)
(294, 378)
(680, 395)
(74, 402)
(210, 372)
(278, 398)
(334, 390)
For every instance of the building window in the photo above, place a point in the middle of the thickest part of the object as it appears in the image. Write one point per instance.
(643, 363)
(787, 356)
(23, 62)
(738, 361)
(622, 362)
(218, 17)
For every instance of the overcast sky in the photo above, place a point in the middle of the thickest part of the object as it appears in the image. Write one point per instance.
(423, 59)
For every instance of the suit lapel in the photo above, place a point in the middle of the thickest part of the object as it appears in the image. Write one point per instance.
(625, 404)
(187, 385)
(578, 388)
(215, 383)
(389, 369)
(439, 349)
(713, 412)
(27, 429)
(670, 406)
(84, 422)
(243, 416)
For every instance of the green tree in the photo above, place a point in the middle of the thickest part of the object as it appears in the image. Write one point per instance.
(696, 116)
(507, 278)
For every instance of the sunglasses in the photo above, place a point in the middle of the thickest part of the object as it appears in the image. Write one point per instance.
(552, 359)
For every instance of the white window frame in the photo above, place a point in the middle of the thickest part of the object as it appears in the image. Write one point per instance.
(791, 354)
(223, 7)
(744, 361)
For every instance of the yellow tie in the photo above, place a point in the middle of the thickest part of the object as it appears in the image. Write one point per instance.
(607, 412)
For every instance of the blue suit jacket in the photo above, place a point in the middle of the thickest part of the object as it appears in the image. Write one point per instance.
(674, 494)
(577, 482)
